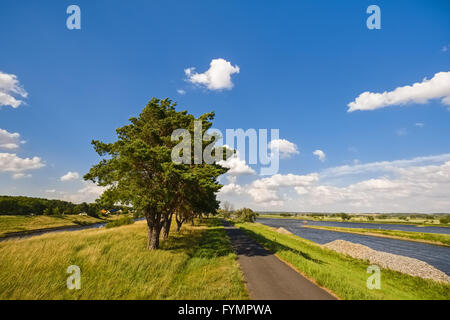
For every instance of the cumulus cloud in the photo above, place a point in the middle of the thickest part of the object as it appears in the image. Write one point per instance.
(285, 148)
(415, 185)
(217, 77)
(437, 87)
(266, 189)
(9, 140)
(70, 176)
(236, 165)
(10, 89)
(181, 91)
(320, 154)
(412, 189)
(419, 124)
(232, 187)
(10, 162)
(88, 193)
(383, 166)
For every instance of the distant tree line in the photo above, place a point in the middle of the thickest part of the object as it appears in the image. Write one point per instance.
(12, 205)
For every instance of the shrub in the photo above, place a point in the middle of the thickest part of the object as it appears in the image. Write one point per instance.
(245, 215)
(286, 215)
(119, 222)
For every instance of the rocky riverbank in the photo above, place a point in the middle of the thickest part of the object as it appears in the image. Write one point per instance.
(411, 266)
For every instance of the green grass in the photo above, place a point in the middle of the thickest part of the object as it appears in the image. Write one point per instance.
(343, 275)
(434, 238)
(27, 223)
(197, 263)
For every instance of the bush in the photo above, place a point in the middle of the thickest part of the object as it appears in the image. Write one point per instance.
(286, 215)
(245, 215)
(444, 220)
(119, 222)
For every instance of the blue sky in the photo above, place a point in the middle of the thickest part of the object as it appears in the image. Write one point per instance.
(300, 64)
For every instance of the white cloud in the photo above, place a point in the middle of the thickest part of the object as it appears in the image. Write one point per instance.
(445, 48)
(285, 180)
(320, 154)
(437, 87)
(17, 176)
(266, 189)
(50, 191)
(236, 165)
(9, 140)
(10, 87)
(10, 162)
(383, 166)
(415, 185)
(217, 77)
(285, 147)
(181, 91)
(419, 124)
(70, 176)
(412, 189)
(88, 193)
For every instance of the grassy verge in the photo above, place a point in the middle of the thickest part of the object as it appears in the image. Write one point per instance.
(197, 263)
(433, 238)
(415, 222)
(343, 275)
(10, 224)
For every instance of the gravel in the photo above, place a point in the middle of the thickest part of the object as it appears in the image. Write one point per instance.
(411, 266)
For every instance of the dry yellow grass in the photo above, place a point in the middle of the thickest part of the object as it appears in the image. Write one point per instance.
(198, 263)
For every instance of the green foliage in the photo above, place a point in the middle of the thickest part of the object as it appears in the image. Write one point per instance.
(119, 222)
(445, 220)
(344, 216)
(286, 214)
(137, 168)
(244, 215)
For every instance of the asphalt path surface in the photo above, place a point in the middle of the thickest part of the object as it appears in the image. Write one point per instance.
(266, 276)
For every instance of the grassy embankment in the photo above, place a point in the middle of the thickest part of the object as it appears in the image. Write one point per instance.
(198, 263)
(363, 219)
(343, 275)
(10, 224)
(432, 238)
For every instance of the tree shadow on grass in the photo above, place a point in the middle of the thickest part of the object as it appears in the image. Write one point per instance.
(277, 247)
(208, 243)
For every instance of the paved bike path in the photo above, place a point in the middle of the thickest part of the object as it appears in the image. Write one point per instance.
(266, 276)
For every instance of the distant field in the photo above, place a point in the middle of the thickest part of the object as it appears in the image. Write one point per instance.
(343, 275)
(198, 263)
(27, 223)
(434, 238)
(423, 222)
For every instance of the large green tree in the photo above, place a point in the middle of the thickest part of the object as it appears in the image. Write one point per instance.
(138, 169)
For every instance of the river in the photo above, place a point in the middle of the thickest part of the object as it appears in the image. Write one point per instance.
(437, 256)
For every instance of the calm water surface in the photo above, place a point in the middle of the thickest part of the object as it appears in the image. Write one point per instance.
(437, 256)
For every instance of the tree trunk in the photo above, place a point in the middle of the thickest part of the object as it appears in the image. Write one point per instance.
(154, 229)
(166, 228)
(179, 224)
(153, 238)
